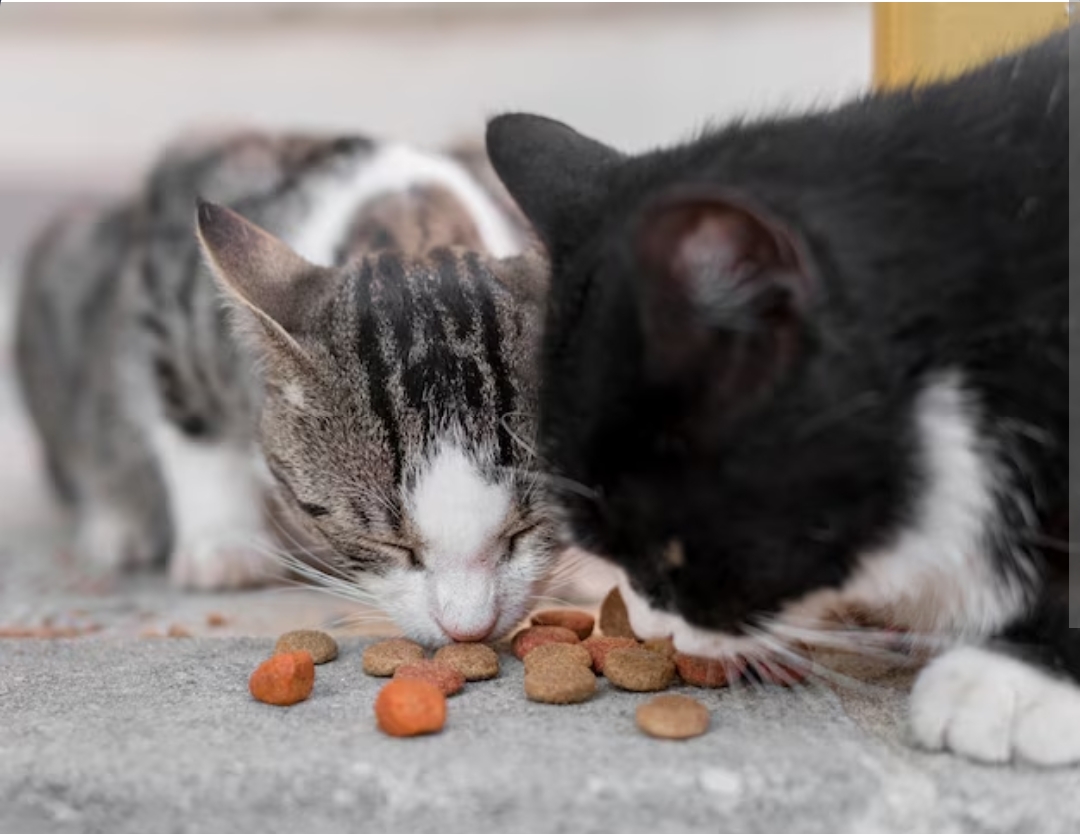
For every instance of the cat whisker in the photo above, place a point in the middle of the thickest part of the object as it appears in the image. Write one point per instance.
(360, 618)
(557, 480)
(815, 672)
(898, 647)
(820, 422)
(504, 422)
(550, 600)
(304, 549)
(337, 586)
(558, 584)
(1060, 545)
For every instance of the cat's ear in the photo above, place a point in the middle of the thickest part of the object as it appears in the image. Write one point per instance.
(262, 274)
(552, 171)
(724, 293)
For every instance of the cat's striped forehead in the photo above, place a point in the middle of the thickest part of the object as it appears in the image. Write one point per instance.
(434, 343)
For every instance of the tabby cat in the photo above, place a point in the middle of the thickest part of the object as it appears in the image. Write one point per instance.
(363, 355)
(812, 371)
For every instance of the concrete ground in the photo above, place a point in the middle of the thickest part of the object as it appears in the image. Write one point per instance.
(121, 730)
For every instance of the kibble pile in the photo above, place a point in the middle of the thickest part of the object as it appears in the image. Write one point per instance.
(562, 656)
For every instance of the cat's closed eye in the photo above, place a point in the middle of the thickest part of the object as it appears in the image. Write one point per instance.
(314, 510)
(517, 536)
(414, 560)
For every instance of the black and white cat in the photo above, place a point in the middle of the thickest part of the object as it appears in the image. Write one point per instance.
(817, 365)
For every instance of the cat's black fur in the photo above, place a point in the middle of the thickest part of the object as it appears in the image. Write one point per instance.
(764, 420)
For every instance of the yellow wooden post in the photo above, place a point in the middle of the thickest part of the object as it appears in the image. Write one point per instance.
(917, 42)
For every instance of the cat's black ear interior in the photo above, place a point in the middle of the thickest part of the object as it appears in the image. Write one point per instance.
(260, 271)
(552, 171)
(723, 296)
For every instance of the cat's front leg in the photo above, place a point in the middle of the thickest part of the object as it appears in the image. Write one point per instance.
(120, 502)
(217, 506)
(995, 708)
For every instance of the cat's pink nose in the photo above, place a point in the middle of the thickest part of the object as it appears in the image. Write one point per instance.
(468, 634)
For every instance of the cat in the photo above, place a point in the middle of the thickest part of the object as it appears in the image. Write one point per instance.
(811, 370)
(345, 339)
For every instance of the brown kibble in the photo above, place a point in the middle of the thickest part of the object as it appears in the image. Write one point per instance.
(446, 678)
(382, 659)
(614, 620)
(322, 646)
(46, 632)
(475, 661)
(673, 716)
(559, 683)
(558, 653)
(661, 645)
(529, 638)
(639, 670)
(177, 631)
(598, 648)
(215, 620)
(410, 707)
(579, 622)
(284, 679)
(703, 672)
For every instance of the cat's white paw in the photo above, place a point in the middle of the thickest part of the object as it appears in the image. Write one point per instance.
(109, 540)
(213, 563)
(994, 708)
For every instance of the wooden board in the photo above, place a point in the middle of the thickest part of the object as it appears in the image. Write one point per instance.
(919, 42)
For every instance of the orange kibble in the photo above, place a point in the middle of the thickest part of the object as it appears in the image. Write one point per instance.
(529, 638)
(442, 676)
(707, 673)
(284, 679)
(579, 622)
(410, 707)
(598, 648)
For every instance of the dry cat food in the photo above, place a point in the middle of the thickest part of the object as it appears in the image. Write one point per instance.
(475, 661)
(663, 645)
(560, 683)
(529, 638)
(558, 653)
(284, 679)
(703, 672)
(322, 646)
(410, 707)
(383, 658)
(215, 620)
(673, 716)
(46, 632)
(177, 631)
(444, 677)
(639, 670)
(614, 620)
(579, 622)
(598, 648)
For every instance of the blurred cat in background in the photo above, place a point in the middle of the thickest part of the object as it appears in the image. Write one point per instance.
(355, 340)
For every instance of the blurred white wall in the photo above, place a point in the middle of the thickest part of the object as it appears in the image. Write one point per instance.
(89, 93)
